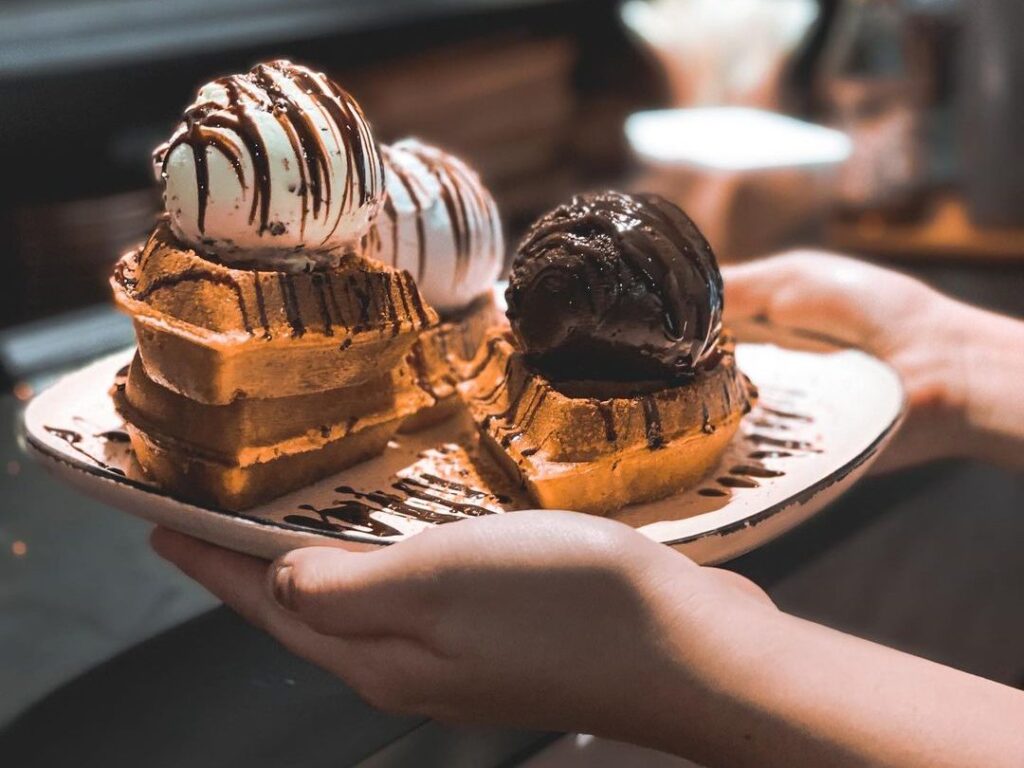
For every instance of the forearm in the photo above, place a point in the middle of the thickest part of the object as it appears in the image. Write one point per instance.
(994, 387)
(782, 691)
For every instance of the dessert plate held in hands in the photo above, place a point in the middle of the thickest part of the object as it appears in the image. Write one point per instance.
(824, 413)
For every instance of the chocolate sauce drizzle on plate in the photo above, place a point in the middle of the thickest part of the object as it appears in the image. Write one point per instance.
(750, 470)
(345, 515)
(430, 498)
(776, 442)
(424, 498)
(712, 492)
(780, 414)
(745, 475)
(729, 481)
(74, 438)
(758, 455)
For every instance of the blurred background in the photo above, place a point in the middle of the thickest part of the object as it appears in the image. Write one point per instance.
(537, 95)
(890, 129)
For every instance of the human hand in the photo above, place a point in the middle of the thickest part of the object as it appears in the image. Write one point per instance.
(917, 330)
(560, 621)
(549, 620)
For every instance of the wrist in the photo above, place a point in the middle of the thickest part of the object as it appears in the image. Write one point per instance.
(993, 366)
(696, 686)
(960, 365)
(938, 388)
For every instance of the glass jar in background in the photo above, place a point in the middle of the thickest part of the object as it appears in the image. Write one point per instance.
(874, 90)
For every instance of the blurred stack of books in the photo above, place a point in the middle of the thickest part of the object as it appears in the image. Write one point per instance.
(506, 106)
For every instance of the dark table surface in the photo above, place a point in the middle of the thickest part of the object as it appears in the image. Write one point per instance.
(109, 657)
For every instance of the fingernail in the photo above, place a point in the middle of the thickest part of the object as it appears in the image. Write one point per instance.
(284, 589)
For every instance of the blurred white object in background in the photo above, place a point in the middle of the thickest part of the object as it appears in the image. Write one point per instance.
(753, 181)
(718, 52)
(732, 139)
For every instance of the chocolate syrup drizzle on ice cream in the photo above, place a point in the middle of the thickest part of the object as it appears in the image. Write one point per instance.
(275, 160)
(278, 169)
(440, 223)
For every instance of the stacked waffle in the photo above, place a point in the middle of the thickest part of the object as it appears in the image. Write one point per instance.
(271, 351)
(250, 383)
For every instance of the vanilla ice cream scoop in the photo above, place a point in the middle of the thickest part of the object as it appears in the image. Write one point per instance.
(440, 223)
(275, 168)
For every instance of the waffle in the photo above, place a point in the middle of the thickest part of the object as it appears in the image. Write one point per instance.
(590, 446)
(236, 487)
(215, 334)
(235, 455)
(441, 356)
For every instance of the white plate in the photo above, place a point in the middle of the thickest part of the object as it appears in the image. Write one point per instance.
(823, 416)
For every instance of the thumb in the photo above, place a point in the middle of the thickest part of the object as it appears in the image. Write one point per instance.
(750, 288)
(813, 291)
(343, 593)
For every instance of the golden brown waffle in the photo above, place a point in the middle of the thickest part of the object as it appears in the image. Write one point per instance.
(599, 452)
(235, 487)
(241, 451)
(441, 356)
(255, 429)
(214, 333)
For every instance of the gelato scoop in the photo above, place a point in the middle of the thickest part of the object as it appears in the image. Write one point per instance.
(275, 168)
(439, 223)
(615, 287)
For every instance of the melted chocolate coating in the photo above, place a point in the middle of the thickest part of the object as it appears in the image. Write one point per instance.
(616, 287)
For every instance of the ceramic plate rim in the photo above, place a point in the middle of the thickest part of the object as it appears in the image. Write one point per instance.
(39, 450)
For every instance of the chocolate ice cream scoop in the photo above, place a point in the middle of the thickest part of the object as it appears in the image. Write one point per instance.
(615, 287)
